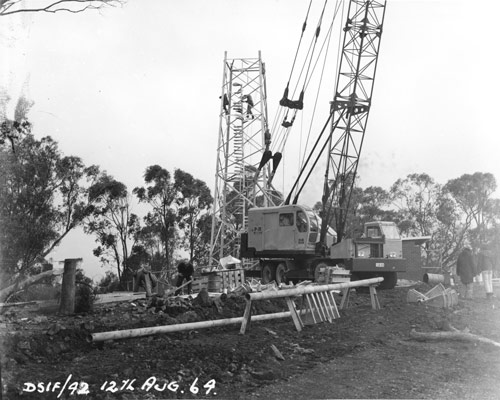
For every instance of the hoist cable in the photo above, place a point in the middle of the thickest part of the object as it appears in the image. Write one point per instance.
(277, 115)
(300, 41)
(309, 55)
(327, 43)
(282, 137)
(308, 158)
(318, 29)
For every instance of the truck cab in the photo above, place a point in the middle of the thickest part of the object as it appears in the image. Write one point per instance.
(380, 239)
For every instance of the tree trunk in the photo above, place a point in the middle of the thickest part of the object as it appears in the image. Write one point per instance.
(6, 292)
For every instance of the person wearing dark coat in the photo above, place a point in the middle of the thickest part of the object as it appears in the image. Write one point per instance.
(466, 270)
(485, 267)
(185, 270)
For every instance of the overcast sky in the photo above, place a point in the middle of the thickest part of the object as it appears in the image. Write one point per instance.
(129, 87)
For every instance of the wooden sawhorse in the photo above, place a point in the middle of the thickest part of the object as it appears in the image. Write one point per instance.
(373, 297)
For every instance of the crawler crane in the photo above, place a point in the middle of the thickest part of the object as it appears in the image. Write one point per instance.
(291, 241)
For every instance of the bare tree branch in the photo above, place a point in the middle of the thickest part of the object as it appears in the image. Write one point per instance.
(8, 7)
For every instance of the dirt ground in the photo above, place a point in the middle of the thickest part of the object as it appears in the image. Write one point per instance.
(364, 354)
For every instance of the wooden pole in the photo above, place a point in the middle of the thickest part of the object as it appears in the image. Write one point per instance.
(455, 335)
(300, 290)
(68, 289)
(130, 333)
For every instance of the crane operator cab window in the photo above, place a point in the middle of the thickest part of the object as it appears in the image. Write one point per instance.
(301, 221)
(313, 227)
(286, 219)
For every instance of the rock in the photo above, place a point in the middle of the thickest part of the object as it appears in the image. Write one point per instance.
(185, 372)
(233, 368)
(88, 326)
(263, 375)
(203, 299)
(61, 348)
(24, 345)
(40, 319)
(54, 329)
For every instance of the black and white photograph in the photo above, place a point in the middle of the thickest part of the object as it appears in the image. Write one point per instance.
(268, 199)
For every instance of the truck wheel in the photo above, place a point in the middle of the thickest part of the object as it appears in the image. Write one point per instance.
(390, 280)
(268, 273)
(281, 274)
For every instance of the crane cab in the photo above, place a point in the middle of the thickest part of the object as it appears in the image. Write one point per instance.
(282, 231)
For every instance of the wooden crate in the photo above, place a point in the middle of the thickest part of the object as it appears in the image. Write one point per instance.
(329, 275)
(199, 283)
(228, 279)
(232, 278)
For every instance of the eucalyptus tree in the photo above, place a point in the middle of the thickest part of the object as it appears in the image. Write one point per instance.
(111, 221)
(43, 196)
(472, 194)
(160, 194)
(194, 200)
(415, 199)
(10, 7)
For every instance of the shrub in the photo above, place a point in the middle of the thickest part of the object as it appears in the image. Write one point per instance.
(84, 297)
(110, 283)
(85, 292)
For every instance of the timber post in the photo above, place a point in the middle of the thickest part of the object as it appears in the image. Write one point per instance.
(68, 289)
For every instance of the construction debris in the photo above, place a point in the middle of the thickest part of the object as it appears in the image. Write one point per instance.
(277, 353)
(254, 285)
(333, 275)
(438, 296)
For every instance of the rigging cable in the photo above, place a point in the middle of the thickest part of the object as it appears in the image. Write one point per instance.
(281, 142)
(327, 42)
(299, 104)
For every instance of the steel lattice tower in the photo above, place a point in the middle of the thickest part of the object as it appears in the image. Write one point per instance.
(351, 105)
(241, 181)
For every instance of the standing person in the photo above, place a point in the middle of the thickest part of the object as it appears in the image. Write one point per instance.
(466, 271)
(485, 267)
(145, 278)
(185, 270)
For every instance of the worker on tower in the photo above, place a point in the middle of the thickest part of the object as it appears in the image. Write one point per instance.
(250, 104)
(225, 103)
(185, 270)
